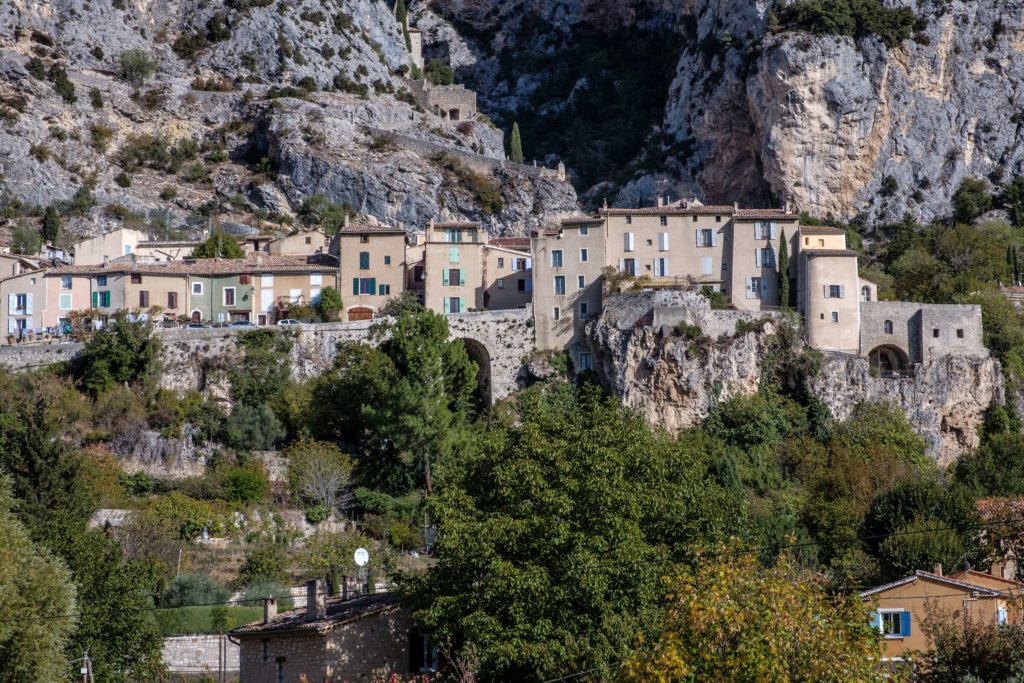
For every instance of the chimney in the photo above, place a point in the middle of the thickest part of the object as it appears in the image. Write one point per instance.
(316, 604)
(787, 206)
(344, 221)
(269, 610)
(661, 201)
(106, 261)
(736, 206)
(938, 570)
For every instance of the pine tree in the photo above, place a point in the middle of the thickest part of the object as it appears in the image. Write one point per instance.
(51, 224)
(783, 271)
(516, 145)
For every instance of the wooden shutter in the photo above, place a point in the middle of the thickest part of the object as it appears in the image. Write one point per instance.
(700, 237)
(444, 302)
(827, 293)
(444, 277)
(28, 304)
(373, 285)
(95, 299)
(12, 304)
(842, 291)
(172, 299)
(774, 231)
(143, 299)
(750, 288)
(622, 265)
(462, 277)
(355, 286)
(663, 241)
(905, 624)
(714, 238)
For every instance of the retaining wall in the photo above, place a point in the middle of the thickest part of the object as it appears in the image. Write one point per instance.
(196, 655)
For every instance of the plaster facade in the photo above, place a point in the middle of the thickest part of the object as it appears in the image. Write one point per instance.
(110, 245)
(372, 262)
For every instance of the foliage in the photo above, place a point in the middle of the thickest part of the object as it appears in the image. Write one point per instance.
(253, 427)
(200, 620)
(484, 190)
(188, 590)
(25, 239)
(321, 474)
(996, 468)
(218, 245)
(256, 592)
(515, 145)
(438, 73)
(260, 566)
(123, 351)
(329, 305)
(971, 199)
(33, 584)
(185, 515)
(332, 553)
(962, 648)
(733, 620)
(406, 302)
(156, 152)
(136, 66)
(854, 18)
(554, 531)
(245, 485)
(784, 293)
(318, 211)
(924, 542)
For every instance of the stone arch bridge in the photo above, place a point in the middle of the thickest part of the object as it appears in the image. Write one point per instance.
(498, 341)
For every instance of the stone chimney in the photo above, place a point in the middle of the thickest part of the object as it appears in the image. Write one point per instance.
(661, 201)
(259, 259)
(561, 171)
(344, 221)
(937, 570)
(316, 602)
(787, 206)
(106, 261)
(736, 206)
(269, 610)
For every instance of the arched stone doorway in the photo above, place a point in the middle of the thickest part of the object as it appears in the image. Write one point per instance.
(360, 313)
(197, 316)
(478, 354)
(890, 361)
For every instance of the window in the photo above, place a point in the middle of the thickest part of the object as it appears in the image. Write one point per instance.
(364, 260)
(229, 296)
(522, 264)
(501, 262)
(454, 304)
(629, 220)
(695, 219)
(453, 235)
(707, 237)
(364, 239)
(20, 302)
(887, 327)
(584, 310)
(64, 302)
(960, 333)
(101, 280)
(584, 255)
(65, 282)
(662, 241)
(136, 278)
(127, 249)
(316, 279)
(309, 240)
(384, 290)
(584, 231)
(586, 362)
(172, 300)
(143, 299)
(455, 277)
(807, 241)
(718, 219)
(892, 623)
(627, 241)
(521, 285)
(660, 267)
(629, 267)
(245, 279)
(707, 265)
(366, 285)
(835, 291)
(387, 260)
(280, 670)
(581, 282)
(559, 285)
(556, 258)
(765, 257)
(835, 316)
(453, 254)
(1001, 615)
(821, 244)
(556, 313)
(663, 220)
(865, 293)
(501, 283)
(753, 288)
(265, 650)
(105, 299)
(197, 288)
(935, 332)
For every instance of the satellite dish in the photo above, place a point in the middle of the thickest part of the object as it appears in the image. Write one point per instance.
(361, 557)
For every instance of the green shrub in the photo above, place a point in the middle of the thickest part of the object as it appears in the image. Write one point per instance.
(36, 69)
(40, 151)
(971, 199)
(684, 329)
(486, 192)
(122, 351)
(168, 193)
(188, 590)
(317, 514)
(854, 18)
(123, 179)
(61, 84)
(259, 590)
(196, 172)
(99, 136)
(243, 485)
(328, 306)
(439, 73)
(263, 565)
(136, 66)
(253, 427)
(200, 620)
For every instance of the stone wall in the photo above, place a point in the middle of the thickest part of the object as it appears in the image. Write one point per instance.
(197, 655)
(28, 356)
(914, 328)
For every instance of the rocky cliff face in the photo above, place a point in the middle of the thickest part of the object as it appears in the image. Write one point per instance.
(282, 100)
(675, 380)
(846, 127)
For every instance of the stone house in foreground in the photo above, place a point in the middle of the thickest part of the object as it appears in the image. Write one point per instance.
(333, 639)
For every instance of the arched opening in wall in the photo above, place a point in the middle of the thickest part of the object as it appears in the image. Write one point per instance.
(478, 354)
(360, 313)
(197, 316)
(890, 361)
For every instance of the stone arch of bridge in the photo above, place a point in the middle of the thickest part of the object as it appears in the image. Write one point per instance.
(479, 354)
(890, 361)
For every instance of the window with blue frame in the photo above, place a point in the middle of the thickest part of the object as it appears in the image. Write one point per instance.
(364, 260)
(892, 623)
(387, 260)
(101, 280)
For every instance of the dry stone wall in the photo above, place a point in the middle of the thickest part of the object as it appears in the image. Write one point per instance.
(197, 655)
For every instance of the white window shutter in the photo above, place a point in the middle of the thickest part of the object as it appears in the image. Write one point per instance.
(28, 304)
(826, 292)
(699, 241)
(750, 288)
(622, 265)
(12, 304)
(842, 291)
(11, 326)
(665, 267)
(775, 231)
(714, 238)
(757, 258)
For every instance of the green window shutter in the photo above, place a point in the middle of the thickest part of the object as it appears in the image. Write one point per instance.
(444, 276)
(445, 302)
(453, 254)
(462, 277)
(373, 285)
(355, 286)
(95, 300)
(364, 260)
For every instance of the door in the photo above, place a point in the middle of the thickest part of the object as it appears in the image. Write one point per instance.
(360, 313)
(266, 299)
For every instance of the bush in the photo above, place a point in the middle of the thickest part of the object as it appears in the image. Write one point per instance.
(168, 193)
(486, 192)
(123, 180)
(36, 69)
(40, 151)
(329, 305)
(63, 87)
(253, 427)
(244, 485)
(96, 98)
(684, 329)
(265, 565)
(100, 136)
(854, 18)
(196, 172)
(971, 200)
(200, 620)
(259, 590)
(136, 66)
(188, 590)
(122, 351)
(439, 73)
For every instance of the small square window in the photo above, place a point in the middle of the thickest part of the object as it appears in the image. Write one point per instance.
(664, 220)
(387, 260)
(136, 278)
(197, 287)
(364, 239)
(501, 284)
(718, 219)
(935, 332)
(835, 316)
(101, 280)
(501, 262)
(959, 334)
(629, 220)
(556, 313)
(586, 362)
(584, 231)
(694, 219)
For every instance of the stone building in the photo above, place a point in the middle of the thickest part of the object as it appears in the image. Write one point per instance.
(452, 102)
(372, 260)
(333, 639)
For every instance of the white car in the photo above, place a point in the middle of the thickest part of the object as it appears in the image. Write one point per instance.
(288, 321)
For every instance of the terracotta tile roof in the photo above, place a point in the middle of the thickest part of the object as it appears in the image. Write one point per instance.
(671, 210)
(457, 224)
(994, 509)
(928, 576)
(516, 243)
(811, 253)
(765, 214)
(582, 220)
(366, 227)
(971, 573)
(820, 230)
(258, 262)
(338, 612)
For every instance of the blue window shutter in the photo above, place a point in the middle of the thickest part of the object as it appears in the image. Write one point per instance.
(462, 277)
(445, 302)
(364, 260)
(373, 285)
(355, 286)
(444, 276)
(905, 624)
(874, 620)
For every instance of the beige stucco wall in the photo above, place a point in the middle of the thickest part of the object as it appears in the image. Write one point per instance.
(351, 652)
(502, 271)
(379, 246)
(33, 286)
(158, 287)
(10, 264)
(112, 245)
(302, 243)
(743, 263)
(683, 256)
(438, 257)
(822, 332)
(285, 288)
(79, 292)
(567, 331)
(826, 242)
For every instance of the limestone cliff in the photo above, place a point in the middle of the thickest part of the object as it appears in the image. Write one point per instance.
(675, 380)
(755, 112)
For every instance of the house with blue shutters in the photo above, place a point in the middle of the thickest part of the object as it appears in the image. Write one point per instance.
(900, 610)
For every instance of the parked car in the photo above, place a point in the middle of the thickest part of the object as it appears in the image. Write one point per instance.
(242, 323)
(288, 321)
(197, 326)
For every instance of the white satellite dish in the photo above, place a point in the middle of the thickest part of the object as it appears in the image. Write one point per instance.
(361, 557)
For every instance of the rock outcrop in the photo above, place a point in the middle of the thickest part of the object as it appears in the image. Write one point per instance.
(675, 379)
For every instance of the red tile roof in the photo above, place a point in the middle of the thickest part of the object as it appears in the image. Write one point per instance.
(518, 243)
(338, 612)
(765, 214)
(820, 230)
(366, 227)
(257, 262)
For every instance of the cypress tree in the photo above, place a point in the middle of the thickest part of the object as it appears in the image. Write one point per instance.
(1016, 268)
(516, 145)
(783, 271)
(402, 15)
(51, 224)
